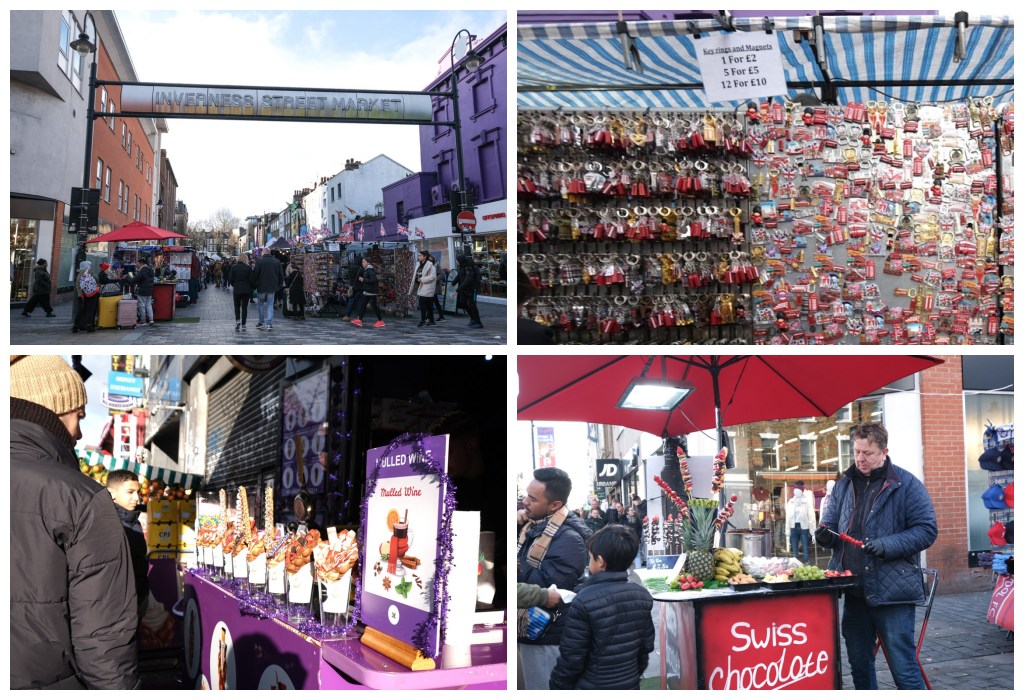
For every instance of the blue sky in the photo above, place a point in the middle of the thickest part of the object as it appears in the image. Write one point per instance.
(251, 167)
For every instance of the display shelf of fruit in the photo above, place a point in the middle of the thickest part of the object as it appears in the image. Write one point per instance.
(743, 582)
(809, 576)
(760, 567)
(727, 563)
(685, 582)
(781, 581)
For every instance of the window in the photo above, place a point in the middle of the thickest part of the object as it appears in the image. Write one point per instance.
(126, 199)
(129, 143)
(483, 94)
(440, 115)
(138, 158)
(400, 213)
(106, 188)
(120, 195)
(69, 60)
(332, 194)
(492, 171)
(809, 451)
(113, 108)
(769, 451)
(845, 452)
(99, 173)
(103, 99)
(843, 415)
(65, 37)
(445, 168)
(124, 134)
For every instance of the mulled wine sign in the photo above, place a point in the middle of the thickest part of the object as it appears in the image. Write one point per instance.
(405, 514)
(769, 643)
(304, 434)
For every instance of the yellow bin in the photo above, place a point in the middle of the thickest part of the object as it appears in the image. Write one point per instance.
(108, 312)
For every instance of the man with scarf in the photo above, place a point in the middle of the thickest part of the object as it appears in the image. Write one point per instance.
(552, 550)
(888, 509)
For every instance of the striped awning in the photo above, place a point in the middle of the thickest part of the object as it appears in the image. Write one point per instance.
(581, 66)
(168, 476)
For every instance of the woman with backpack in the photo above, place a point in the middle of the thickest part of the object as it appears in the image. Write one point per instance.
(88, 291)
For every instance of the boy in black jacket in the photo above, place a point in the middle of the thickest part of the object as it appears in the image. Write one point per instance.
(608, 631)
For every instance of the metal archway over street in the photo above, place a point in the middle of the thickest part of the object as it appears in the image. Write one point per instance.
(273, 104)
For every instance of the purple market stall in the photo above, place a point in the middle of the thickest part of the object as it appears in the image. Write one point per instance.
(230, 644)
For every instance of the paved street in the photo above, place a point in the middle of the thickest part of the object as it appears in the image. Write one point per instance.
(212, 322)
(961, 650)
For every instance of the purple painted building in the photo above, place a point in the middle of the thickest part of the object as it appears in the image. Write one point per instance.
(423, 201)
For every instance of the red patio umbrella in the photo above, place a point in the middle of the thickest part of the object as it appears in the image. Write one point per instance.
(135, 231)
(727, 390)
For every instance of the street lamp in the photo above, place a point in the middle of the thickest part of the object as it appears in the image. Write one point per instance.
(471, 62)
(84, 47)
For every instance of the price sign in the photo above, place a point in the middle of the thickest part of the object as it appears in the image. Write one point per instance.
(740, 66)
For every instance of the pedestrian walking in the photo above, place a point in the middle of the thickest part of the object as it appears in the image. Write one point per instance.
(41, 287)
(218, 272)
(268, 279)
(423, 286)
(609, 633)
(88, 291)
(467, 283)
(355, 270)
(371, 286)
(442, 277)
(296, 292)
(888, 510)
(144, 279)
(73, 604)
(240, 279)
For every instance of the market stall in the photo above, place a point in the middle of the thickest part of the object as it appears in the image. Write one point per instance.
(390, 604)
(872, 203)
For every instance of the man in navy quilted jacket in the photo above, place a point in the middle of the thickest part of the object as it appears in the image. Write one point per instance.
(888, 509)
(608, 633)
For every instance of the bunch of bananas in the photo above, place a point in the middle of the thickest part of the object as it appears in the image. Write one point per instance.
(727, 563)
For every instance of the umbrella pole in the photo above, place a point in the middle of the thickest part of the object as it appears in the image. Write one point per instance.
(714, 369)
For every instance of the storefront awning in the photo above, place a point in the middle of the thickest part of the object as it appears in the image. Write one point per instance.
(168, 476)
(581, 66)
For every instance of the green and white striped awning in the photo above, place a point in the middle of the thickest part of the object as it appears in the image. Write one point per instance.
(168, 476)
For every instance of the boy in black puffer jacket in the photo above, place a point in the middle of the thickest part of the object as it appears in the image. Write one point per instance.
(608, 631)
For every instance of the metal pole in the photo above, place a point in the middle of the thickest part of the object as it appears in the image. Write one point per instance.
(90, 116)
(458, 143)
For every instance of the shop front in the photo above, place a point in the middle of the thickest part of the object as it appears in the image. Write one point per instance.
(32, 231)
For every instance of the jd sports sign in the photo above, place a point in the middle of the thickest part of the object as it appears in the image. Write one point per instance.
(233, 102)
(609, 472)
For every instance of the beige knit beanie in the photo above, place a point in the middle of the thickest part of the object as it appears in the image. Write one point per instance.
(47, 380)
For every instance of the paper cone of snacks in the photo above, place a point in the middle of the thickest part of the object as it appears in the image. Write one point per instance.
(257, 559)
(334, 563)
(299, 564)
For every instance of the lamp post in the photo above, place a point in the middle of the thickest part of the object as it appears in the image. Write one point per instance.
(471, 62)
(84, 47)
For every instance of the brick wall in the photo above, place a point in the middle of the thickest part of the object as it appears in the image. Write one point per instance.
(942, 432)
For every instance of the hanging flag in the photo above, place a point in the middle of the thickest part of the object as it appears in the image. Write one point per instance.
(361, 235)
(341, 215)
(351, 211)
(383, 234)
(403, 230)
(420, 233)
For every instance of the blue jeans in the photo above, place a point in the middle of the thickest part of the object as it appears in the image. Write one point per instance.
(265, 307)
(894, 624)
(797, 536)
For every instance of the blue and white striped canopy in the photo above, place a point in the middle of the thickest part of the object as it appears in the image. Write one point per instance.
(168, 476)
(553, 59)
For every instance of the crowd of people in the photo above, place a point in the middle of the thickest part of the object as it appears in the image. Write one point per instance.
(584, 618)
(271, 281)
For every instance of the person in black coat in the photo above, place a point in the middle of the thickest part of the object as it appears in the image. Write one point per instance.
(296, 293)
(240, 278)
(123, 486)
(609, 633)
(467, 282)
(74, 611)
(40, 291)
(355, 271)
(371, 287)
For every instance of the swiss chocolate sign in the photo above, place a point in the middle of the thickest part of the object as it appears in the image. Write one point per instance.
(769, 643)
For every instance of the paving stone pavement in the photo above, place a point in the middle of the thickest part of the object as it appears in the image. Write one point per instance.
(212, 322)
(961, 650)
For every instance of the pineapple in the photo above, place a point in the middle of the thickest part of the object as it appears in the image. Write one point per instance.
(700, 534)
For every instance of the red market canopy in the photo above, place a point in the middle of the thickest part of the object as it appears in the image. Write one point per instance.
(135, 231)
(727, 390)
